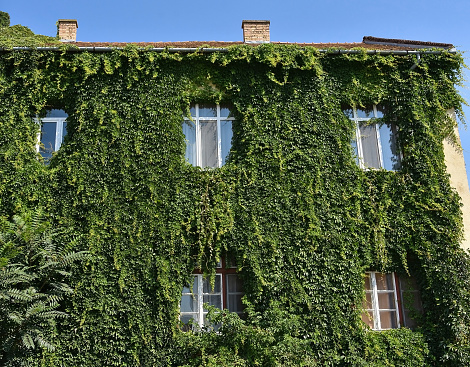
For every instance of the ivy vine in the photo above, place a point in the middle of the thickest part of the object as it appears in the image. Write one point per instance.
(302, 220)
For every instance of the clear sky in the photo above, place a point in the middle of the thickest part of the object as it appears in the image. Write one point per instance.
(446, 21)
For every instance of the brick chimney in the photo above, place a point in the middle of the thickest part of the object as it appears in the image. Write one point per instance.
(255, 31)
(67, 30)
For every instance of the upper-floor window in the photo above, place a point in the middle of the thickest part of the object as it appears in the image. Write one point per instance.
(227, 294)
(53, 131)
(208, 134)
(391, 301)
(375, 144)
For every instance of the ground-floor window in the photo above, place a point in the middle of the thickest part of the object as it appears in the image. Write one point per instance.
(391, 301)
(226, 293)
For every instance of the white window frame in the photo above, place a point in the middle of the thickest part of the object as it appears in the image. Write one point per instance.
(59, 131)
(223, 273)
(375, 310)
(201, 311)
(196, 120)
(360, 153)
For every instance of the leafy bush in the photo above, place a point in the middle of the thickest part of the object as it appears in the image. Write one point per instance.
(33, 283)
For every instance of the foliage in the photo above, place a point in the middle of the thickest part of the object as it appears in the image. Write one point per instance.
(291, 206)
(239, 344)
(4, 19)
(18, 35)
(32, 285)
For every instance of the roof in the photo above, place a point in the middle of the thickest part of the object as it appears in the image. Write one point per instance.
(369, 43)
(403, 43)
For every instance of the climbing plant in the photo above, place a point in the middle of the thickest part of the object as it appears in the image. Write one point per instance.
(302, 221)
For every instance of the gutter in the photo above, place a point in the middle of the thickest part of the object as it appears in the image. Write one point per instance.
(211, 50)
(418, 61)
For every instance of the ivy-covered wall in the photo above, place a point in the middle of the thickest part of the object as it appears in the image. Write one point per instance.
(302, 220)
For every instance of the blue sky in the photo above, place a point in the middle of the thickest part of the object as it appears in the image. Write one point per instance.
(291, 21)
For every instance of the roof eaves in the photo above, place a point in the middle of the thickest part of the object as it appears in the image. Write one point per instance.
(224, 49)
(405, 43)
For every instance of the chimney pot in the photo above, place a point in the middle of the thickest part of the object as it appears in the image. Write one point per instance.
(67, 30)
(255, 31)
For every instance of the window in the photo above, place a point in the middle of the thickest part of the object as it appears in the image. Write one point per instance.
(411, 305)
(53, 131)
(391, 301)
(208, 135)
(381, 304)
(375, 144)
(226, 294)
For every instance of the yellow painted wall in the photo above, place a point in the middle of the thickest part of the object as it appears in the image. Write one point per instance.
(458, 178)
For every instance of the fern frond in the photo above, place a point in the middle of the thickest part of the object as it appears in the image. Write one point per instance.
(27, 341)
(43, 343)
(52, 315)
(62, 288)
(16, 318)
(18, 294)
(14, 274)
(72, 257)
(33, 287)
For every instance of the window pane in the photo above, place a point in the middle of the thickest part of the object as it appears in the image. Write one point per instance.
(380, 111)
(368, 318)
(213, 300)
(64, 130)
(209, 154)
(208, 324)
(185, 319)
(356, 154)
(384, 281)
(48, 131)
(391, 158)
(232, 262)
(235, 303)
(56, 113)
(370, 149)
(412, 308)
(226, 138)
(225, 110)
(408, 283)
(386, 301)
(186, 288)
(367, 112)
(192, 110)
(388, 319)
(234, 283)
(189, 131)
(207, 110)
(188, 303)
(368, 302)
(217, 285)
(411, 301)
(348, 112)
(367, 285)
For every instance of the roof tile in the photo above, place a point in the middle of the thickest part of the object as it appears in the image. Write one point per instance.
(369, 43)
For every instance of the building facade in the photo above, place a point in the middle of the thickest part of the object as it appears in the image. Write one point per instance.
(302, 188)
